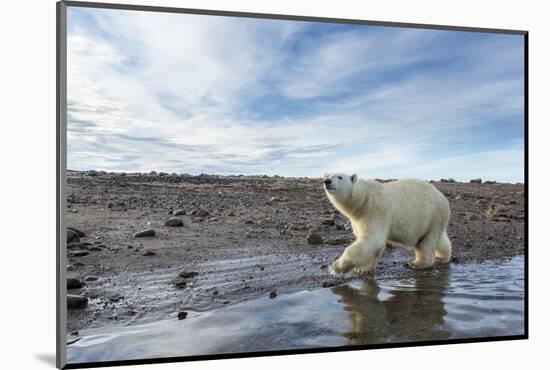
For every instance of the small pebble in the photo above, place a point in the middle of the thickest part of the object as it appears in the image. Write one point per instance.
(143, 233)
(182, 315)
(180, 284)
(314, 238)
(72, 236)
(77, 253)
(73, 283)
(188, 274)
(174, 221)
(76, 301)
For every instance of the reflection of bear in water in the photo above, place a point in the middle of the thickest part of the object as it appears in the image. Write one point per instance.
(382, 315)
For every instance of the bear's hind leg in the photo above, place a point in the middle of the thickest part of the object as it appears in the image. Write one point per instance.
(425, 253)
(443, 249)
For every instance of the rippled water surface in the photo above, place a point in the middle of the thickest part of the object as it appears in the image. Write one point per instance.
(460, 301)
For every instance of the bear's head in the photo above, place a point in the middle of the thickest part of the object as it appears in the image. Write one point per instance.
(339, 185)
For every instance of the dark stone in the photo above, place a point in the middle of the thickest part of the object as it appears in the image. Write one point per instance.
(314, 238)
(182, 315)
(475, 181)
(76, 301)
(179, 284)
(173, 222)
(91, 278)
(450, 179)
(80, 233)
(78, 253)
(179, 212)
(188, 274)
(72, 237)
(146, 252)
(143, 233)
(328, 284)
(73, 283)
(273, 294)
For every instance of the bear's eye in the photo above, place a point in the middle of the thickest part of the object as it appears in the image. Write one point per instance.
(340, 177)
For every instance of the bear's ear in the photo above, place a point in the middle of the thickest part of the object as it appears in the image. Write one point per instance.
(354, 177)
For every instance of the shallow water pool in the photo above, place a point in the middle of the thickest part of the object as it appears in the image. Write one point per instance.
(458, 301)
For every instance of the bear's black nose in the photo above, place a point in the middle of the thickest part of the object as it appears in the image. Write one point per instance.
(328, 181)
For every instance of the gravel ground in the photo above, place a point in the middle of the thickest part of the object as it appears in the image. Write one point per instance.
(231, 239)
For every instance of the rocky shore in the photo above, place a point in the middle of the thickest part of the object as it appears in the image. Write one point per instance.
(153, 246)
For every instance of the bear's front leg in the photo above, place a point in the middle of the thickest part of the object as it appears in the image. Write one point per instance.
(362, 256)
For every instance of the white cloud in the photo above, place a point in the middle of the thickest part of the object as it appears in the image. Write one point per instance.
(171, 92)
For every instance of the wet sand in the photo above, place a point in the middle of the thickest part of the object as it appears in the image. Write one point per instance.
(244, 237)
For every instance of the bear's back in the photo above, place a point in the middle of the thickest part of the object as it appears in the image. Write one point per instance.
(416, 204)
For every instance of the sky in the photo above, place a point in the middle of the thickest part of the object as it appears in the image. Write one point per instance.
(225, 95)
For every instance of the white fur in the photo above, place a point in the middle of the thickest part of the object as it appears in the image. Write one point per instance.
(409, 212)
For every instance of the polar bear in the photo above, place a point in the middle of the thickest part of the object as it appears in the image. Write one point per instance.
(409, 212)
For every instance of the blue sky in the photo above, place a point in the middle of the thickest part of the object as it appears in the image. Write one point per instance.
(205, 94)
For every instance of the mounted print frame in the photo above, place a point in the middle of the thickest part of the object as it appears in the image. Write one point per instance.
(236, 184)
